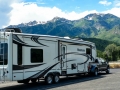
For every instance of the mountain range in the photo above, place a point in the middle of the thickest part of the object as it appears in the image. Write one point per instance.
(95, 25)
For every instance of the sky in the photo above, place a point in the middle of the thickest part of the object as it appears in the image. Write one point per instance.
(13, 12)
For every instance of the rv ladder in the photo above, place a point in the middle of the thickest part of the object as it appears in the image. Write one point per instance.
(2, 55)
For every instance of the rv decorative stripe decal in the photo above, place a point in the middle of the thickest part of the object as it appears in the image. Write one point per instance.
(79, 44)
(35, 39)
(70, 60)
(22, 67)
(15, 42)
(37, 74)
(17, 67)
(16, 38)
(76, 53)
(47, 70)
(93, 47)
(43, 72)
(82, 55)
(82, 62)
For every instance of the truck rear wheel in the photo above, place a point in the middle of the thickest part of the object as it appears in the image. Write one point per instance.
(96, 72)
(108, 70)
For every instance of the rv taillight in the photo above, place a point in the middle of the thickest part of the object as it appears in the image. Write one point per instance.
(88, 67)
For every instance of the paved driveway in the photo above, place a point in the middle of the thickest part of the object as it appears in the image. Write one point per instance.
(101, 82)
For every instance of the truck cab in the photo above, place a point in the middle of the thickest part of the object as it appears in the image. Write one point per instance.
(102, 65)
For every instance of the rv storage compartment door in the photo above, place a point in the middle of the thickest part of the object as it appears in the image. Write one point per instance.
(81, 67)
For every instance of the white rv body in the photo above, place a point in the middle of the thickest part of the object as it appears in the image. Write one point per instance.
(31, 56)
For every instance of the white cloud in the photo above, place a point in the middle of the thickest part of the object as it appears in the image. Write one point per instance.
(25, 12)
(117, 3)
(114, 11)
(5, 9)
(20, 12)
(105, 2)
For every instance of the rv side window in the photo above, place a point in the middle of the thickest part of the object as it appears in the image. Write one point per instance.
(63, 52)
(88, 51)
(3, 53)
(36, 55)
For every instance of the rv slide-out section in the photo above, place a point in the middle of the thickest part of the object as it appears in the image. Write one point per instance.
(31, 57)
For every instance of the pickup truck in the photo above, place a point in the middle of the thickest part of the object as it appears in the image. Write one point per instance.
(98, 65)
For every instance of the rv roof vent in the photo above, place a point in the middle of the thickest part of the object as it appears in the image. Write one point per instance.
(67, 37)
(13, 30)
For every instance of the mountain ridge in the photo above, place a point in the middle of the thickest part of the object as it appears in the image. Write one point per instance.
(95, 25)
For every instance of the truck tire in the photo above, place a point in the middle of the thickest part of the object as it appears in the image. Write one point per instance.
(95, 72)
(49, 79)
(56, 78)
(107, 70)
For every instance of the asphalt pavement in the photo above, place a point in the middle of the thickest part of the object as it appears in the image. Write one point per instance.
(101, 82)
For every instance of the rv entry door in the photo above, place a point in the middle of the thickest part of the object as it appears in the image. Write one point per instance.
(63, 57)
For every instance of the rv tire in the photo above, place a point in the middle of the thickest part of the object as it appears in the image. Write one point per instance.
(56, 78)
(26, 81)
(20, 81)
(34, 80)
(49, 79)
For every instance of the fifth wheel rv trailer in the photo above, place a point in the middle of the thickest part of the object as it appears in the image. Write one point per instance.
(30, 57)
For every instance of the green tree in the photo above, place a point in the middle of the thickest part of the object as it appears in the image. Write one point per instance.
(111, 52)
(105, 56)
(118, 49)
(99, 53)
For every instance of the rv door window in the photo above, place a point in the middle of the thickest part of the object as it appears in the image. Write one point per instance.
(63, 52)
(19, 54)
(36, 55)
(3, 53)
(88, 51)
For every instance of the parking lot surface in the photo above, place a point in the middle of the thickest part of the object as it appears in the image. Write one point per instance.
(101, 82)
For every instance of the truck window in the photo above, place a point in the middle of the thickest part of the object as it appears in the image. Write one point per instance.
(36, 55)
(88, 51)
(96, 60)
(103, 61)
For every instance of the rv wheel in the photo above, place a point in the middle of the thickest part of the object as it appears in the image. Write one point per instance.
(49, 79)
(26, 81)
(33, 80)
(56, 78)
(20, 81)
